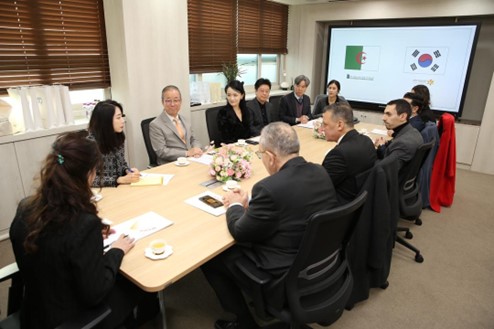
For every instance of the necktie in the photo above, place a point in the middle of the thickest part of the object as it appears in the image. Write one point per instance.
(179, 129)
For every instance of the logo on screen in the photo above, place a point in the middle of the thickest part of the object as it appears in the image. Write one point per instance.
(426, 60)
(362, 58)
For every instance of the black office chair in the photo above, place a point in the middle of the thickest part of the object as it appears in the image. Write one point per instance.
(319, 282)
(429, 134)
(410, 199)
(212, 125)
(153, 159)
(85, 320)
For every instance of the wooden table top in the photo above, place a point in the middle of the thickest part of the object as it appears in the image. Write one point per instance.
(195, 236)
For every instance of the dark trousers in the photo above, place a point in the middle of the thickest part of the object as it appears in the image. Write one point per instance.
(219, 272)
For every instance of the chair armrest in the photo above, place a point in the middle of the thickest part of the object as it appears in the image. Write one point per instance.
(7, 272)
(248, 268)
(87, 319)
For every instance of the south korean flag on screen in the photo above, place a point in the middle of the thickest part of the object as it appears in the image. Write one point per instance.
(426, 60)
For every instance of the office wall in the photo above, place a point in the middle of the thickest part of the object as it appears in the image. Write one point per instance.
(148, 49)
(307, 37)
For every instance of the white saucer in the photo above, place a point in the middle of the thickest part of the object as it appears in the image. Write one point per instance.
(149, 254)
(226, 189)
(182, 164)
(96, 197)
(238, 144)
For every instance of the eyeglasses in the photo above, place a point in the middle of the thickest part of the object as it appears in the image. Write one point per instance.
(172, 101)
(259, 153)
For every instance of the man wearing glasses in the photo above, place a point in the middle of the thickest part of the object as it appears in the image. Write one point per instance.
(170, 133)
(270, 227)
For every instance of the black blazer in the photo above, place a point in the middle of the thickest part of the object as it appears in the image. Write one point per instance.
(288, 108)
(256, 122)
(68, 274)
(353, 155)
(271, 229)
(230, 127)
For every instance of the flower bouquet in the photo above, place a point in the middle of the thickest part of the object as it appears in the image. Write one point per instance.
(318, 131)
(231, 162)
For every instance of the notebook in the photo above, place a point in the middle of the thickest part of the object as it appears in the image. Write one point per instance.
(148, 181)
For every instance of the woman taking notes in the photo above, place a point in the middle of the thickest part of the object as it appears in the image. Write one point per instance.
(106, 127)
(57, 240)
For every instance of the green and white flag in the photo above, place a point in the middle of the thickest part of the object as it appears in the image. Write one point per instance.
(362, 58)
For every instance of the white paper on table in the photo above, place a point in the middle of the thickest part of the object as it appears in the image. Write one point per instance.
(255, 139)
(204, 159)
(166, 177)
(309, 124)
(379, 131)
(194, 201)
(139, 227)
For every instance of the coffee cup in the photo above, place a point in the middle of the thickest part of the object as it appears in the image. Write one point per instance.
(182, 160)
(241, 142)
(231, 184)
(158, 246)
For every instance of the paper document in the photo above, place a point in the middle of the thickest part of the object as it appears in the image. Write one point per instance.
(379, 131)
(139, 227)
(309, 124)
(196, 202)
(204, 159)
(165, 177)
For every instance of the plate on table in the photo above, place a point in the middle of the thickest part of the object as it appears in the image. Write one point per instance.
(149, 253)
(226, 189)
(185, 164)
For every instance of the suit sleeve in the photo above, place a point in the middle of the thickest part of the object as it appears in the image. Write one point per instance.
(317, 113)
(255, 125)
(225, 127)
(285, 112)
(94, 272)
(258, 222)
(335, 165)
(159, 144)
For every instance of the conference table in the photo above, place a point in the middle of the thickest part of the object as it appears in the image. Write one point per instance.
(195, 236)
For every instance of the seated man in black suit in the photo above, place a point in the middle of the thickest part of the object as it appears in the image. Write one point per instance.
(295, 106)
(353, 154)
(270, 227)
(260, 108)
(406, 139)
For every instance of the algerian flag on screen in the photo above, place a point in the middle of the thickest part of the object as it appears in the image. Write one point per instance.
(362, 58)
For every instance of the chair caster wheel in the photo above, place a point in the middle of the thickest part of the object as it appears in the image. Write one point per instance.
(408, 235)
(385, 285)
(418, 222)
(419, 258)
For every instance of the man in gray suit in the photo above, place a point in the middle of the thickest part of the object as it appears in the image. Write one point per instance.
(170, 133)
(406, 139)
(268, 229)
(260, 108)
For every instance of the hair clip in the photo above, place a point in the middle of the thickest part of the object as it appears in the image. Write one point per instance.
(60, 159)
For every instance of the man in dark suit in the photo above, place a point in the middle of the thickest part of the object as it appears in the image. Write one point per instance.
(406, 139)
(170, 133)
(260, 108)
(269, 228)
(295, 106)
(353, 154)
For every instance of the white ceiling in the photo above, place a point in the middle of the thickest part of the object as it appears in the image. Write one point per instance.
(309, 2)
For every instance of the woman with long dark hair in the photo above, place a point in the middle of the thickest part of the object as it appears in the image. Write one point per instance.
(234, 118)
(106, 127)
(57, 238)
(426, 114)
(333, 97)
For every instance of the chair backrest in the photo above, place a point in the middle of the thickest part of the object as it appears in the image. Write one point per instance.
(410, 196)
(429, 134)
(153, 159)
(212, 124)
(319, 282)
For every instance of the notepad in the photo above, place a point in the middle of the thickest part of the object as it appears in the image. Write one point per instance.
(148, 181)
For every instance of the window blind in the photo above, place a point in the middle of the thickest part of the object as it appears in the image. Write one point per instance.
(262, 27)
(53, 42)
(212, 34)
